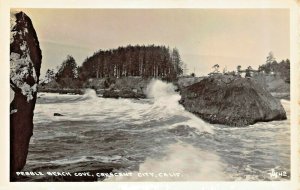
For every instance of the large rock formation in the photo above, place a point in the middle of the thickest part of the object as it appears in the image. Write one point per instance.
(25, 63)
(232, 101)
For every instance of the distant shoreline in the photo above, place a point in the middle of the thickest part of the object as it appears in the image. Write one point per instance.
(134, 87)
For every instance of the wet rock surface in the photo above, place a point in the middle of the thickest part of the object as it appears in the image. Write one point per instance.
(232, 101)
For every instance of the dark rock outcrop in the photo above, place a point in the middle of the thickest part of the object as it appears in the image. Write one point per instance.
(25, 63)
(57, 114)
(124, 93)
(232, 101)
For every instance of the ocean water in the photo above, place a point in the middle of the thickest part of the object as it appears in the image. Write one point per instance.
(154, 139)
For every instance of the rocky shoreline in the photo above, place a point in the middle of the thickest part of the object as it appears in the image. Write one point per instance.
(221, 99)
(135, 87)
(126, 87)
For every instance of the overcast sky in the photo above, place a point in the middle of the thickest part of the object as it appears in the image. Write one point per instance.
(204, 37)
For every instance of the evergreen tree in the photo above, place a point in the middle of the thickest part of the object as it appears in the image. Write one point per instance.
(68, 69)
(270, 58)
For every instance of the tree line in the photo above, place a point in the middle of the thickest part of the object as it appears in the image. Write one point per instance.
(281, 68)
(143, 61)
(270, 67)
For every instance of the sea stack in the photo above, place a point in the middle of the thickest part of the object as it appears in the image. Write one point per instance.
(25, 63)
(232, 101)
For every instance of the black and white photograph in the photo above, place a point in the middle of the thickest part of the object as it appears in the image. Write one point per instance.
(150, 95)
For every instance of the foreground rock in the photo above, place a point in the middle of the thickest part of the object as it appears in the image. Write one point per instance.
(25, 63)
(232, 101)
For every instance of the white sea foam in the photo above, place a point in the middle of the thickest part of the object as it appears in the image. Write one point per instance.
(90, 94)
(192, 164)
(162, 106)
(166, 102)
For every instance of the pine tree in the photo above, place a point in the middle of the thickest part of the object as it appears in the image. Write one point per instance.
(68, 69)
